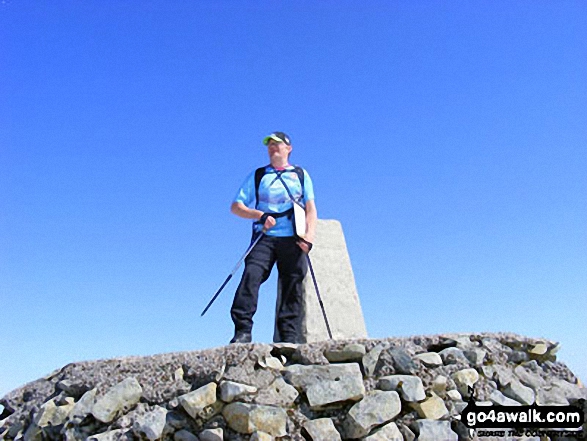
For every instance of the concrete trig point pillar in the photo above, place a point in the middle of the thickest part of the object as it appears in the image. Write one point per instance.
(334, 275)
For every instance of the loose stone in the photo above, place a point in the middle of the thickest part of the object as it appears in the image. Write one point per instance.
(376, 408)
(432, 408)
(230, 391)
(389, 432)
(371, 358)
(517, 391)
(350, 353)
(120, 398)
(429, 359)
(185, 435)
(248, 418)
(195, 402)
(322, 429)
(328, 392)
(409, 386)
(453, 356)
(434, 430)
(151, 424)
(212, 435)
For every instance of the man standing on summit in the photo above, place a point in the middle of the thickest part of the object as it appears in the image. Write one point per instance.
(267, 196)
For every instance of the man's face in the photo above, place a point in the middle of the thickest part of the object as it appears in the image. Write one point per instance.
(278, 149)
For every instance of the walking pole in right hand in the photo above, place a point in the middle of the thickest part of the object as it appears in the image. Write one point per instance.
(319, 298)
(233, 271)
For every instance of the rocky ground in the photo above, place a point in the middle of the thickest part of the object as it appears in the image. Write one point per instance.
(391, 389)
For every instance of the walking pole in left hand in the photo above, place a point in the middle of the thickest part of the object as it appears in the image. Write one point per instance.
(233, 271)
(319, 298)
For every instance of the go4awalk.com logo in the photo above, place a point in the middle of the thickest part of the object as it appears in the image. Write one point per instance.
(521, 420)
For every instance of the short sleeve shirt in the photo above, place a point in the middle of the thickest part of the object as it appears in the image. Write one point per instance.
(274, 198)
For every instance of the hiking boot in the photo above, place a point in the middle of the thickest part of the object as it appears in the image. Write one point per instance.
(241, 337)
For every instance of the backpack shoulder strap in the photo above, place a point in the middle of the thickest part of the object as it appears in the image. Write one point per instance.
(259, 173)
(300, 172)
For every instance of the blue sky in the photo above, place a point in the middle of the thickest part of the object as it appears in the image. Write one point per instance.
(448, 138)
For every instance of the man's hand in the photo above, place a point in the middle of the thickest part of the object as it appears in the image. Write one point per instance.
(305, 245)
(268, 221)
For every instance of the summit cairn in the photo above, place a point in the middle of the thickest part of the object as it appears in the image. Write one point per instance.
(336, 282)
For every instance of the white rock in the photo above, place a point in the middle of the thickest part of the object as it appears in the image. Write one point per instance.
(375, 409)
(429, 359)
(119, 399)
(151, 424)
(248, 418)
(322, 429)
(517, 391)
(230, 391)
(196, 401)
(432, 408)
(327, 392)
(389, 432)
(410, 387)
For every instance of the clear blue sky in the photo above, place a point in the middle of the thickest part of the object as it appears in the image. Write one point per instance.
(449, 138)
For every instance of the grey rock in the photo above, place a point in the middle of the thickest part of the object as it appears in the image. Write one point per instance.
(551, 395)
(302, 377)
(402, 361)
(389, 432)
(195, 402)
(212, 435)
(503, 375)
(518, 357)
(517, 391)
(453, 356)
(322, 429)
(230, 391)
(371, 358)
(249, 418)
(406, 432)
(83, 407)
(119, 399)
(476, 356)
(151, 424)
(409, 386)
(186, 435)
(429, 359)
(529, 378)
(352, 352)
(278, 393)
(71, 388)
(323, 393)
(428, 430)
(112, 435)
(375, 409)
(500, 399)
(572, 391)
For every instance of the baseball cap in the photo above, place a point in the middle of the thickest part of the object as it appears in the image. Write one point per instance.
(278, 137)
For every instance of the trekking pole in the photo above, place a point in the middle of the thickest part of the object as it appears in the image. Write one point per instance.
(319, 298)
(233, 271)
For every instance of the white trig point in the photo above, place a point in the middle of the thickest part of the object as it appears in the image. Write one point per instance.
(334, 275)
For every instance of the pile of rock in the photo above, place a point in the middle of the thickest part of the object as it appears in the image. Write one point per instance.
(392, 389)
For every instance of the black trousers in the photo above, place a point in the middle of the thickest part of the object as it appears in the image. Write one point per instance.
(292, 267)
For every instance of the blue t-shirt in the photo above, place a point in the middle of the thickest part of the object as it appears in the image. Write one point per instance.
(273, 197)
